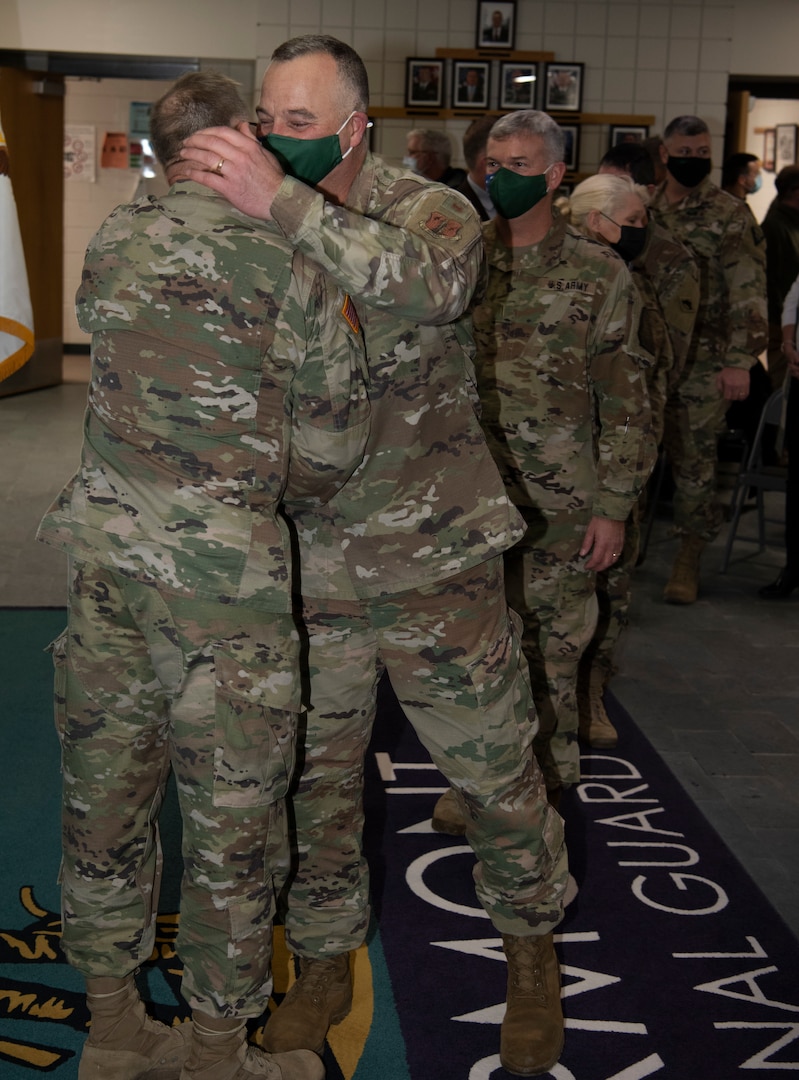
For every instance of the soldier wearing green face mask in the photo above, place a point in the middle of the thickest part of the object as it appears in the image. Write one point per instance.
(729, 333)
(566, 412)
(402, 573)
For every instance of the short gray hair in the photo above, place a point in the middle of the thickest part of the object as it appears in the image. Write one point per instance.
(686, 125)
(532, 122)
(351, 68)
(199, 99)
(434, 142)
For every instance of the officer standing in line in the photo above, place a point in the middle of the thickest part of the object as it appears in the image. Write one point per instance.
(729, 334)
(566, 411)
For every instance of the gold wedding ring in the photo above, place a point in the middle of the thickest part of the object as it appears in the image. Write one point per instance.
(219, 164)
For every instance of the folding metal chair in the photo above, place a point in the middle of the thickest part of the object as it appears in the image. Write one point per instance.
(754, 474)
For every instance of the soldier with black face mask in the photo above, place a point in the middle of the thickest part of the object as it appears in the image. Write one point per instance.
(729, 334)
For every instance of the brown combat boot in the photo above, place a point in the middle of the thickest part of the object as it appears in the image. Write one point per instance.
(594, 724)
(448, 815)
(321, 996)
(124, 1043)
(531, 1040)
(221, 1052)
(683, 585)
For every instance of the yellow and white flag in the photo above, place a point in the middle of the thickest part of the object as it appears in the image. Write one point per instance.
(16, 315)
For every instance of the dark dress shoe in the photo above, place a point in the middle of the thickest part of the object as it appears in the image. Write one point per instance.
(782, 587)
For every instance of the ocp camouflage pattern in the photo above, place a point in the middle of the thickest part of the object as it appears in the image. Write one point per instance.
(565, 407)
(214, 347)
(427, 502)
(730, 253)
(560, 375)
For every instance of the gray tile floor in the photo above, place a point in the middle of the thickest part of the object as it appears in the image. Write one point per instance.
(715, 686)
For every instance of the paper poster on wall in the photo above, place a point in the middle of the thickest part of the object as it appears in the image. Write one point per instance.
(115, 150)
(79, 153)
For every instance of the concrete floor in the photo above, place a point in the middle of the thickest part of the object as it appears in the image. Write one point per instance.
(714, 686)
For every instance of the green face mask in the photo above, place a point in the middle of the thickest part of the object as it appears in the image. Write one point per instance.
(514, 194)
(309, 160)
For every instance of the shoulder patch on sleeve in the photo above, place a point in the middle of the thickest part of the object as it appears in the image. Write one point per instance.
(350, 314)
(440, 224)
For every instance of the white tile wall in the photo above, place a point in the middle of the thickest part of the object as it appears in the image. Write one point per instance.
(103, 103)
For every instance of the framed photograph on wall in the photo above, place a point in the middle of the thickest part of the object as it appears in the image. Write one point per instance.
(517, 85)
(635, 134)
(769, 149)
(563, 88)
(571, 149)
(424, 84)
(496, 24)
(470, 84)
(785, 146)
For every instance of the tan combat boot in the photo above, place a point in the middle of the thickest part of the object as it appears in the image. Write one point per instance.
(448, 815)
(124, 1043)
(594, 724)
(220, 1051)
(683, 585)
(321, 996)
(531, 1040)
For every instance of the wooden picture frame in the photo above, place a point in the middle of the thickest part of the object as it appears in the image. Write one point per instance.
(470, 82)
(784, 146)
(627, 133)
(563, 87)
(518, 85)
(424, 82)
(571, 148)
(769, 149)
(496, 24)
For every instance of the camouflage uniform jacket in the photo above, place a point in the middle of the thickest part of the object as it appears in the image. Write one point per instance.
(561, 379)
(718, 230)
(674, 275)
(216, 354)
(427, 502)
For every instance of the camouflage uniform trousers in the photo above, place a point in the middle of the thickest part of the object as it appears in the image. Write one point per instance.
(613, 593)
(146, 680)
(452, 654)
(694, 420)
(549, 587)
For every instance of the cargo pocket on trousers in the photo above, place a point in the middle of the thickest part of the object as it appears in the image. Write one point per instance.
(257, 709)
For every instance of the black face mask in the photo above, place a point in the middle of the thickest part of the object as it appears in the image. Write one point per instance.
(631, 243)
(689, 171)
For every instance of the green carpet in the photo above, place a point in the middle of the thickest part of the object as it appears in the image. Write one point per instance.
(42, 1010)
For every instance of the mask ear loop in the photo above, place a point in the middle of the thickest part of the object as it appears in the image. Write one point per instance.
(546, 170)
(349, 148)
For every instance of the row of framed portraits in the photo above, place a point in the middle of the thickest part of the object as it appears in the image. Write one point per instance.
(618, 134)
(551, 86)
